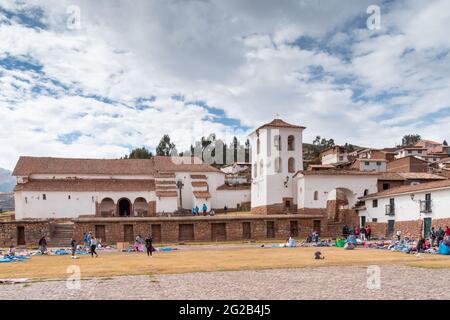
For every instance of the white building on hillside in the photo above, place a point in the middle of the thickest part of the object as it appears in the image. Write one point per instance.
(410, 208)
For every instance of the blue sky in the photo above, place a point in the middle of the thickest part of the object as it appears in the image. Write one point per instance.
(122, 76)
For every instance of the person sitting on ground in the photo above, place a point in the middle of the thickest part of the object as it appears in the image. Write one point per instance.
(43, 245)
(420, 244)
(318, 255)
(309, 238)
(291, 242)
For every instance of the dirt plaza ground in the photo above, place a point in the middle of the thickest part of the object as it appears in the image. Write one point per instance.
(232, 272)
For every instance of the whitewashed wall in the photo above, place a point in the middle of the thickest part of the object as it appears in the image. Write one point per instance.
(407, 209)
(325, 184)
(230, 198)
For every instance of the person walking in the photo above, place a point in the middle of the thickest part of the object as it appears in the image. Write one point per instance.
(93, 245)
(149, 245)
(204, 209)
(432, 236)
(43, 245)
(73, 247)
(225, 209)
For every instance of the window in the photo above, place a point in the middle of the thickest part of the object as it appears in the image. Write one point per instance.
(277, 142)
(366, 192)
(257, 146)
(291, 165)
(378, 163)
(44, 197)
(375, 203)
(68, 197)
(341, 158)
(374, 219)
(261, 167)
(316, 195)
(420, 151)
(255, 169)
(277, 164)
(366, 163)
(291, 143)
(385, 186)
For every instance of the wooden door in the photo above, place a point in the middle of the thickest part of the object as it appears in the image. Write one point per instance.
(156, 232)
(186, 232)
(391, 224)
(21, 236)
(294, 228)
(218, 232)
(270, 229)
(128, 233)
(426, 227)
(246, 230)
(100, 233)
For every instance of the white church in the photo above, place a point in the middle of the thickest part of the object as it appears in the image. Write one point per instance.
(51, 188)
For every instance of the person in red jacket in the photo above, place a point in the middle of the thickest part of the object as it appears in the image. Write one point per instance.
(368, 232)
(447, 231)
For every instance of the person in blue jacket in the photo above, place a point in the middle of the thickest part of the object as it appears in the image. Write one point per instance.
(205, 209)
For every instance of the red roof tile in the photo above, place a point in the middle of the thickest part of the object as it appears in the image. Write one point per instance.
(86, 185)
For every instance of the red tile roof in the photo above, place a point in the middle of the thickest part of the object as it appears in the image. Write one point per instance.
(166, 194)
(86, 185)
(159, 166)
(337, 172)
(202, 194)
(199, 183)
(235, 187)
(198, 176)
(278, 123)
(410, 189)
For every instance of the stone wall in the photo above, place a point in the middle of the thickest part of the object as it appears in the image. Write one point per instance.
(33, 231)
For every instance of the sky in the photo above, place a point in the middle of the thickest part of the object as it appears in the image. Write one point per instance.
(97, 78)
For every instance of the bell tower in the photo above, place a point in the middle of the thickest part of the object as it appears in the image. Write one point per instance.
(276, 156)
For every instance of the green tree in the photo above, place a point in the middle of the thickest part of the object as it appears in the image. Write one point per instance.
(165, 146)
(410, 140)
(139, 153)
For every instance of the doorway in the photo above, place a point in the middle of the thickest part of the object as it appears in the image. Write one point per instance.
(128, 233)
(391, 224)
(218, 232)
(270, 229)
(426, 227)
(246, 230)
(124, 207)
(20, 236)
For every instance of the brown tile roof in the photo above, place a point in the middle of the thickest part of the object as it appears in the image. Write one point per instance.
(166, 187)
(337, 172)
(235, 187)
(202, 194)
(199, 183)
(182, 164)
(411, 188)
(278, 123)
(409, 176)
(29, 165)
(160, 166)
(198, 176)
(86, 185)
(165, 175)
(166, 194)
(164, 182)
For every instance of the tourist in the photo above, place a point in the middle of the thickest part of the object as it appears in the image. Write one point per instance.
(212, 212)
(318, 255)
(447, 231)
(204, 209)
(93, 245)
(439, 236)
(149, 245)
(356, 232)
(138, 244)
(420, 244)
(225, 209)
(85, 239)
(433, 236)
(368, 232)
(399, 234)
(316, 236)
(196, 210)
(362, 233)
(43, 245)
(73, 247)
(345, 231)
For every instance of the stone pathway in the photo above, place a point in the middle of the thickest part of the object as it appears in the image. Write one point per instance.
(397, 282)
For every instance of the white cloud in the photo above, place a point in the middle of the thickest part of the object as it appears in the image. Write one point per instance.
(236, 56)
